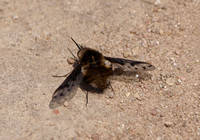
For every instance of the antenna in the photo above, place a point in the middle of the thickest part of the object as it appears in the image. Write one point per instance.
(76, 44)
(72, 54)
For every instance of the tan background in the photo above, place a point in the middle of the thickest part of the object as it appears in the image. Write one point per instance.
(34, 36)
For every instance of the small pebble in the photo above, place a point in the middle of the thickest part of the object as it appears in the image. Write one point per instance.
(183, 78)
(197, 86)
(168, 124)
(174, 64)
(149, 30)
(56, 111)
(123, 126)
(159, 138)
(157, 3)
(132, 32)
(126, 54)
(132, 133)
(161, 115)
(177, 52)
(162, 32)
(52, 124)
(48, 37)
(154, 112)
(36, 107)
(138, 97)
(128, 94)
(108, 102)
(144, 44)
(70, 60)
(66, 104)
(135, 52)
(161, 86)
(170, 81)
(179, 80)
(15, 17)
(157, 43)
(189, 70)
(95, 136)
(111, 95)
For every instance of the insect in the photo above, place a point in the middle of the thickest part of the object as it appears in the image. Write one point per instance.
(92, 73)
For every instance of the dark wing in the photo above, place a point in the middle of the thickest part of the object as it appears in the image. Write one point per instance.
(66, 90)
(130, 65)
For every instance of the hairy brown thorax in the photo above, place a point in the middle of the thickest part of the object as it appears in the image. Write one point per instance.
(95, 68)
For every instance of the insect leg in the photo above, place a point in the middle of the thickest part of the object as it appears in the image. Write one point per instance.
(61, 75)
(74, 58)
(86, 98)
(86, 93)
(111, 88)
(73, 55)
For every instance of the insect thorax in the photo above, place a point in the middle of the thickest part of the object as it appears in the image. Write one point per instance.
(89, 56)
(95, 68)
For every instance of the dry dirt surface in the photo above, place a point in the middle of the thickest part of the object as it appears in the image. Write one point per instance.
(163, 105)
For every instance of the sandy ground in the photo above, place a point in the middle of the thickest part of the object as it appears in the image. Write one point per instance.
(34, 36)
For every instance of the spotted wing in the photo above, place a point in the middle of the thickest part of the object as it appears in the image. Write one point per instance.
(130, 65)
(66, 90)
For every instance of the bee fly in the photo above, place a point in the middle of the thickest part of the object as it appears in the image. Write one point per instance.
(92, 73)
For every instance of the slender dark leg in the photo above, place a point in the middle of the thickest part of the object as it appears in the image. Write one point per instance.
(111, 88)
(86, 93)
(86, 98)
(73, 55)
(75, 59)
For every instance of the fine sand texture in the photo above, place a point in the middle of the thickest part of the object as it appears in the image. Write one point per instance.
(163, 104)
